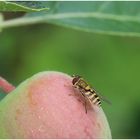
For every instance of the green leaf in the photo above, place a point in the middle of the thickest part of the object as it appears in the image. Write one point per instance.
(21, 6)
(115, 18)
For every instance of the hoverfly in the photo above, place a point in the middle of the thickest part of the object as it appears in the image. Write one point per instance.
(89, 93)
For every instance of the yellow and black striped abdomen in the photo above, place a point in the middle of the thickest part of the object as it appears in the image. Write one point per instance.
(93, 97)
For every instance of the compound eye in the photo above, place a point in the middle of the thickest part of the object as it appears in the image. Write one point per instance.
(75, 79)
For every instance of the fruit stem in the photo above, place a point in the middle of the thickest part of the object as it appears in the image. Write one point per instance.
(5, 85)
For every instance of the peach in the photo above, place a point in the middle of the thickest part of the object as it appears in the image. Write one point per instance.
(48, 106)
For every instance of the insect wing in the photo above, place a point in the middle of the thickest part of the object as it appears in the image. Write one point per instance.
(103, 98)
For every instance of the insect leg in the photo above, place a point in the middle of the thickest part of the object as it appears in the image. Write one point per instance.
(85, 106)
(82, 92)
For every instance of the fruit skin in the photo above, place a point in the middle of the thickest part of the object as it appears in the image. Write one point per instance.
(42, 107)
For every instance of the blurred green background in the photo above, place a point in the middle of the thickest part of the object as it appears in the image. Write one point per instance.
(110, 63)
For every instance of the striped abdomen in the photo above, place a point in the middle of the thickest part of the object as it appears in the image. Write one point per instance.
(93, 97)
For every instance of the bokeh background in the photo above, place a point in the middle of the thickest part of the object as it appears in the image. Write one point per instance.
(110, 63)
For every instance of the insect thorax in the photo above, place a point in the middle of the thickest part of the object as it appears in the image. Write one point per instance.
(82, 84)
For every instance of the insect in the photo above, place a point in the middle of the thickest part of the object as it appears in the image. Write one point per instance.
(89, 93)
